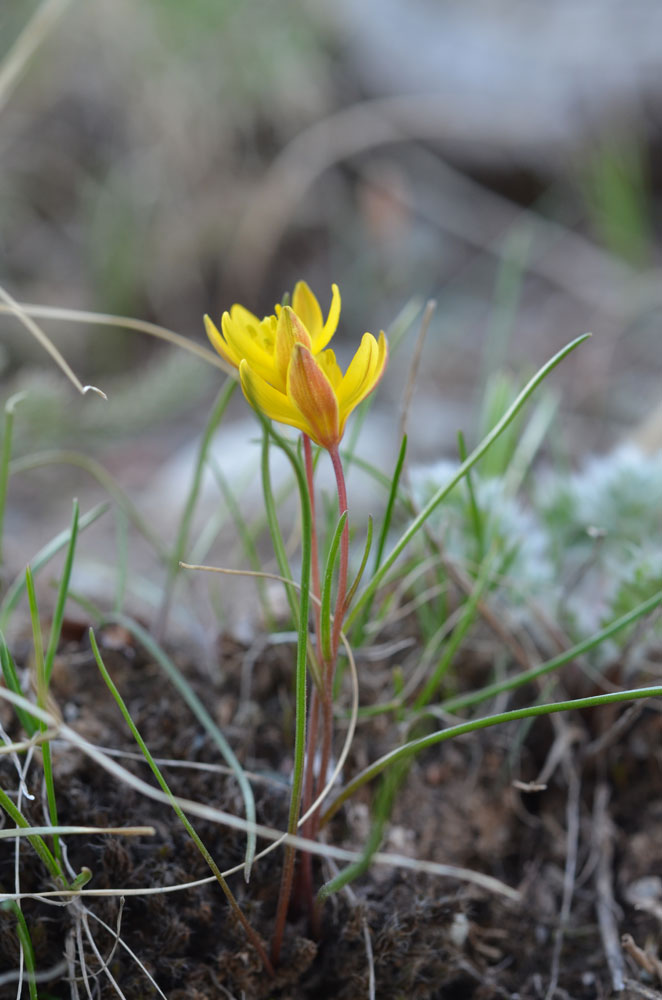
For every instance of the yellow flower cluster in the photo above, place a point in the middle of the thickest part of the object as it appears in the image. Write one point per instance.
(287, 371)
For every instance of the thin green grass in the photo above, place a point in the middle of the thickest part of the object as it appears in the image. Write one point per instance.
(196, 706)
(27, 949)
(414, 747)
(16, 589)
(182, 539)
(478, 452)
(42, 680)
(5, 457)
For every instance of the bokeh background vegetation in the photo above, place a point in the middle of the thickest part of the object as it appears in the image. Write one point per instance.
(161, 160)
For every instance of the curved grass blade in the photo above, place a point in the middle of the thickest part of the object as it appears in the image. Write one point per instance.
(236, 909)
(102, 476)
(37, 842)
(11, 680)
(51, 549)
(476, 516)
(327, 585)
(474, 457)
(203, 717)
(25, 942)
(364, 562)
(411, 748)
(510, 683)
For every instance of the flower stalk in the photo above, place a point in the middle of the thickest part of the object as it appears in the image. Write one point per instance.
(289, 375)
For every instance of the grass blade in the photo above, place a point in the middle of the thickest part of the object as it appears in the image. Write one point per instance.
(236, 909)
(58, 614)
(203, 717)
(25, 941)
(42, 700)
(44, 556)
(11, 680)
(10, 407)
(422, 743)
(474, 457)
(510, 683)
(181, 542)
(327, 585)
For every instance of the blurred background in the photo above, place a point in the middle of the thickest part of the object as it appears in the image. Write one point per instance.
(161, 159)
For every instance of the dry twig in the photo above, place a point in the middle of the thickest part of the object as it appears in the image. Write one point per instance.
(602, 837)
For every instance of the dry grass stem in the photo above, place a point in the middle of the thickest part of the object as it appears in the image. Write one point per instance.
(35, 32)
(603, 842)
(17, 310)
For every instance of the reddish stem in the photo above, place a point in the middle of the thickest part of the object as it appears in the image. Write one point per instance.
(327, 703)
(304, 889)
(314, 550)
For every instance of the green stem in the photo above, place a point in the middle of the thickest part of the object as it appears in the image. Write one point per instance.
(300, 697)
(314, 547)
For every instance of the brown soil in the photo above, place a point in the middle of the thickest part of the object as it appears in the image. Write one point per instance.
(595, 828)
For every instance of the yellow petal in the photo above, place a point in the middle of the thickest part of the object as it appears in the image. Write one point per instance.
(307, 308)
(364, 372)
(219, 343)
(312, 393)
(327, 362)
(274, 404)
(331, 325)
(245, 338)
(290, 331)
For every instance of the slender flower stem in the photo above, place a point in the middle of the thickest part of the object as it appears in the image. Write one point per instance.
(327, 703)
(300, 698)
(314, 548)
(305, 885)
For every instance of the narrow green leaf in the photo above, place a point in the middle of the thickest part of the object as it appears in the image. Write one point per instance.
(10, 675)
(327, 585)
(424, 742)
(364, 562)
(58, 615)
(42, 699)
(26, 945)
(44, 556)
(474, 457)
(202, 715)
(476, 516)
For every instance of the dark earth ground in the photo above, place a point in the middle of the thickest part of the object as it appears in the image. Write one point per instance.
(583, 850)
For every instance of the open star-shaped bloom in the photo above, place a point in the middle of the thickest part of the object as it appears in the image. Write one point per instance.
(245, 337)
(287, 373)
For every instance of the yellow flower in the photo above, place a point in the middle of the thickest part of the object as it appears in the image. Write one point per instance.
(246, 337)
(286, 372)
